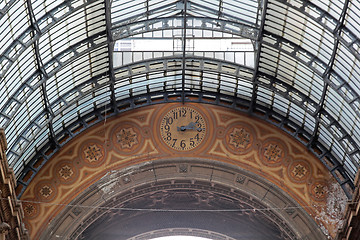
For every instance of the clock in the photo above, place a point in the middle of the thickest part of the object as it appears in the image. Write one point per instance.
(183, 128)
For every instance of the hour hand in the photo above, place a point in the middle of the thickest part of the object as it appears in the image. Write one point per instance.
(190, 126)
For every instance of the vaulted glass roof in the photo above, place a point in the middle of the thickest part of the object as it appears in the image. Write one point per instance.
(66, 65)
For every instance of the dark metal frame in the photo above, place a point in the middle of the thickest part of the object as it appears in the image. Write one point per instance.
(226, 24)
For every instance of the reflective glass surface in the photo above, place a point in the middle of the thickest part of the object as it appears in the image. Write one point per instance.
(64, 66)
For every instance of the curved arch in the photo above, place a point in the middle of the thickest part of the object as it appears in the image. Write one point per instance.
(119, 192)
(231, 138)
(201, 95)
(181, 232)
(27, 113)
(121, 31)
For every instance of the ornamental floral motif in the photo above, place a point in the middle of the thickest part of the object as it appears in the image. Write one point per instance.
(46, 191)
(126, 137)
(319, 190)
(93, 153)
(299, 171)
(66, 172)
(240, 138)
(273, 153)
(29, 209)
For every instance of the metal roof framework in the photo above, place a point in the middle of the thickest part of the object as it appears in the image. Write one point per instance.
(59, 74)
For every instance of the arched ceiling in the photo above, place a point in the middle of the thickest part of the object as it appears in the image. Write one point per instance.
(59, 73)
(156, 199)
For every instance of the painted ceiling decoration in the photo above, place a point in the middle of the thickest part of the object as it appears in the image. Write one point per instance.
(64, 66)
(68, 67)
(133, 144)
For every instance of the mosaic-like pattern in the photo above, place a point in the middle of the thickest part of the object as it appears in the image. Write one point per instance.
(240, 138)
(66, 172)
(273, 153)
(319, 191)
(127, 137)
(29, 209)
(93, 153)
(299, 171)
(46, 191)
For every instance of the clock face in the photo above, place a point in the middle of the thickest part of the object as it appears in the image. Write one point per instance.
(183, 128)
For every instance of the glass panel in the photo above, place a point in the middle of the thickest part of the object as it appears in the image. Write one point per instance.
(73, 66)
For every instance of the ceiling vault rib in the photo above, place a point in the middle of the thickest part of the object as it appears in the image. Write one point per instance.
(326, 15)
(224, 15)
(326, 74)
(6, 8)
(43, 75)
(131, 19)
(147, 9)
(110, 48)
(320, 109)
(183, 55)
(220, 13)
(242, 30)
(303, 82)
(313, 58)
(258, 44)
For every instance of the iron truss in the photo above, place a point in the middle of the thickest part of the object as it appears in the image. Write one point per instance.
(64, 58)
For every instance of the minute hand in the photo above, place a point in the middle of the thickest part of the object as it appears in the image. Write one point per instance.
(190, 126)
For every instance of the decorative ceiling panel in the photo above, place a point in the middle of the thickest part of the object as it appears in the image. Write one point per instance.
(62, 68)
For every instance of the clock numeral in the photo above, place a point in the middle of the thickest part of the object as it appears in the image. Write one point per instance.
(198, 127)
(169, 121)
(174, 141)
(192, 143)
(197, 118)
(167, 128)
(197, 137)
(182, 144)
(183, 112)
(168, 136)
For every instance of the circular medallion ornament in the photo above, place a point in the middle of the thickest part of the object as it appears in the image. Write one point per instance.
(30, 209)
(183, 128)
(127, 137)
(92, 153)
(318, 191)
(66, 172)
(239, 139)
(46, 191)
(299, 171)
(273, 152)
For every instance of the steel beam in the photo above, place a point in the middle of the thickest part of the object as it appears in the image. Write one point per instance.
(326, 75)
(323, 18)
(184, 52)
(50, 15)
(258, 43)
(296, 53)
(110, 44)
(134, 28)
(43, 76)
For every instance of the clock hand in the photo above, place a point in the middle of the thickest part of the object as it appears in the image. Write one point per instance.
(190, 126)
